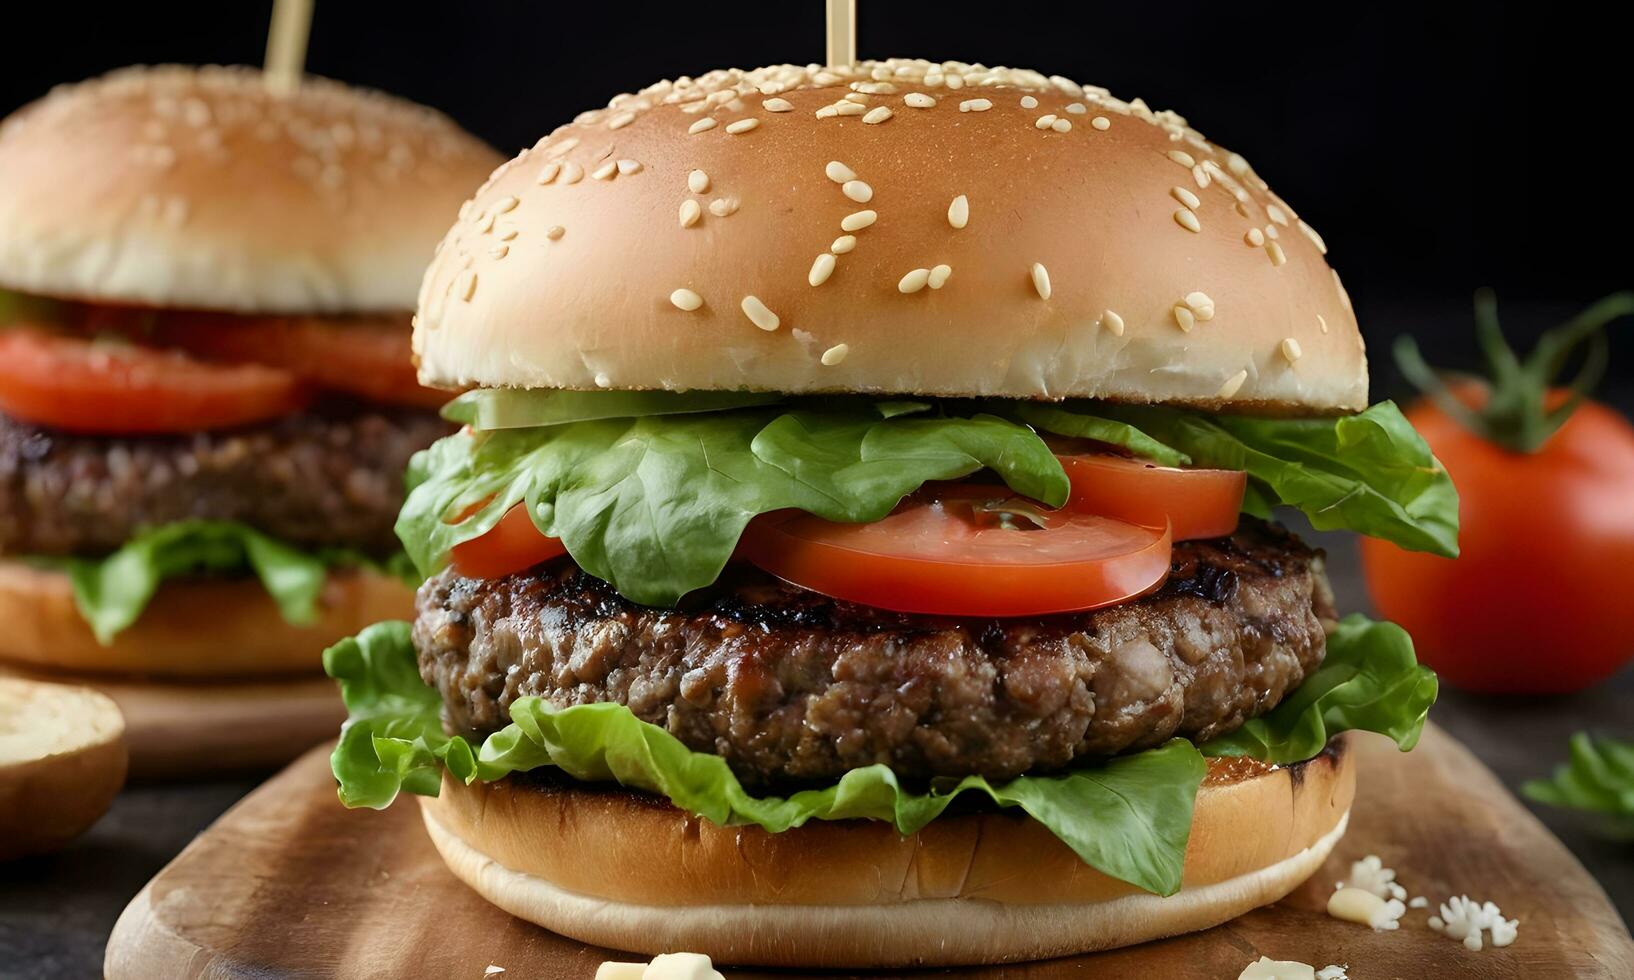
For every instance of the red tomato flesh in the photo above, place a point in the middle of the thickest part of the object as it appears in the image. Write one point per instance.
(513, 545)
(965, 550)
(80, 385)
(1195, 503)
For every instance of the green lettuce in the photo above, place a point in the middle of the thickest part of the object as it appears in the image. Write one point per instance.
(1598, 777)
(111, 592)
(1128, 817)
(655, 504)
(1369, 472)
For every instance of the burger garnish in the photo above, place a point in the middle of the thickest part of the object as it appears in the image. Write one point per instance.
(863, 557)
(205, 367)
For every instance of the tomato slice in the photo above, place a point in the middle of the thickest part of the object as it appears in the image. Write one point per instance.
(80, 385)
(512, 545)
(1193, 503)
(370, 357)
(965, 550)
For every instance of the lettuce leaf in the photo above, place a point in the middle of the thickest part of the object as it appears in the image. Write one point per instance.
(111, 592)
(1369, 472)
(1128, 817)
(1368, 681)
(655, 505)
(1598, 777)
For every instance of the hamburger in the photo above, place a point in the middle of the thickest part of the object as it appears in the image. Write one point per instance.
(206, 390)
(856, 550)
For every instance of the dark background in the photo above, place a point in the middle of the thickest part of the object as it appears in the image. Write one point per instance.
(1437, 146)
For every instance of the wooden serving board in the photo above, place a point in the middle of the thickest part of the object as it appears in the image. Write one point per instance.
(290, 884)
(180, 729)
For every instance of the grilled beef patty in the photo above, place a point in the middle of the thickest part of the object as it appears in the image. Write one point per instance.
(328, 477)
(791, 687)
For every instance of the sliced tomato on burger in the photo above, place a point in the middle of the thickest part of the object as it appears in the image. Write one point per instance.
(965, 550)
(1194, 503)
(366, 356)
(104, 388)
(513, 545)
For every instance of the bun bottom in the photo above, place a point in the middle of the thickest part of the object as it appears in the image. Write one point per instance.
(62, 761)
(625, 871)
(205, 628)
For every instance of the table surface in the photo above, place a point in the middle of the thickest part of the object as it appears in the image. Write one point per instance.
(56, 912)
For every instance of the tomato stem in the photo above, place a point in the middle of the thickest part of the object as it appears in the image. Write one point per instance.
(1517, 413)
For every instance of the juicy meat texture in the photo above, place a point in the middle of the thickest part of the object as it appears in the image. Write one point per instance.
(331, 477)
(794, 688)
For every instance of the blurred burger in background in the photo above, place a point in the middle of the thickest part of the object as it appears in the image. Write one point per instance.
(207, 396)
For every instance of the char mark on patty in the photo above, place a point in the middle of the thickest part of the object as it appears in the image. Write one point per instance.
(793, 688)
(331, 477)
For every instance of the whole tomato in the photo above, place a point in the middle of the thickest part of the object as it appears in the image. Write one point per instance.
(1541, 597)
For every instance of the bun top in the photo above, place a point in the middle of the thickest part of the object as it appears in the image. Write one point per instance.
(900, 227)
(200, 188)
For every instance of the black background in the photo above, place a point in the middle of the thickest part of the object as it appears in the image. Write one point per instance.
(1437, 146)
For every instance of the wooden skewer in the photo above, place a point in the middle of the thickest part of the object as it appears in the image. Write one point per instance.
(842, 32)
(286, 44)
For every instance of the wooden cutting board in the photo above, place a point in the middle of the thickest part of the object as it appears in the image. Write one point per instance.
(290, 884)
(178, 730)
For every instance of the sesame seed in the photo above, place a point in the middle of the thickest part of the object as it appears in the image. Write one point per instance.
(627, 167)
(827, 112)
(1187, 219)
(507, 233)
(1200, 174)
(555, 232)
(849, 108)
(1041, 280)
(858, 191)
(1044, 121)
(973, 105)
(1200, 304)
(1276, 214)
(1274, 250)
(606, 171)
(835, 354)
(1101, 122)
(777, 105)
(1290, 349)
(572, 173)
(720, 207)
(702, 126)
(548, 172)
(1077, 108)
(1184, 317)
(958, 213)
(691, 211)
(1112, 322)
(1322, 322)
(742, 126)
(621, 120)
(858, 220)
(843, 244)
(1028, 102)
(914, 281)
(838, 172)
(1232, 384)
(1271, 232)
(466, 285)
(484, 223)
(1185, 197)
(939, 276)
(1183, 158)
(859, 98)
(877, 115)
(686, 299)
(602, 380)
(758, 314)
(504, 205)
(1061, 125)
(697, 182)
(499, 251)
(918, 100)
(1254, 237)
(1316, 239)
(821, 268)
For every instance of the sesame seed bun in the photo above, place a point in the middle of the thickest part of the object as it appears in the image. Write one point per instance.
(897, 227)
(199, 628)
(626, 871)
(199, 188)
(62, 761)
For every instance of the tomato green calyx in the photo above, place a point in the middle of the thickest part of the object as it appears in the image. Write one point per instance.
(1520, 412)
